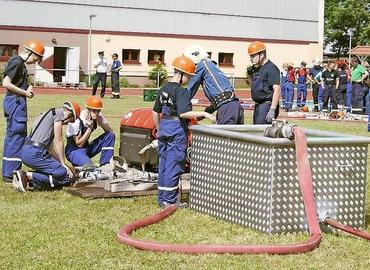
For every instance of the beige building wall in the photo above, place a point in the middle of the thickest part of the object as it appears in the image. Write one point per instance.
(173, 47)
(17, 37)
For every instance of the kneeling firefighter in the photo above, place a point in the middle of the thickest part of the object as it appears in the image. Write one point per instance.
(43, 151)
(79, 150)
(171, 109)
(265, 85)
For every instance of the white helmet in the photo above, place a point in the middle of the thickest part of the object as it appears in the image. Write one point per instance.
(196, 53)
(316, 62)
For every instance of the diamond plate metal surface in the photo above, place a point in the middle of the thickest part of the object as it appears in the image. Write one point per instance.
(256, 185)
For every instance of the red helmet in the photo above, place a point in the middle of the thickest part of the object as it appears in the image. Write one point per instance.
(184, 64)
(35, 46)
(74, 108)
(256, 47)
(94, 103)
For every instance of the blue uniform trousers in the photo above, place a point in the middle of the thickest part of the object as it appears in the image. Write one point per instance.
(301, 94)
(260, 112)
(172, 141)
(365, 92)
(49, 172)
(231, 113)
(15, 112)
(80, 156)
(357, 95)
(349, 97)
(284, 89)
(289, 95)
(321, 97)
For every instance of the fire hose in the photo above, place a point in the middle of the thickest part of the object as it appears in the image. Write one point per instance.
(306, 186)
(305, 181)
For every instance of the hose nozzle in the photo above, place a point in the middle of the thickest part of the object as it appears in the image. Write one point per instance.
(280, 129)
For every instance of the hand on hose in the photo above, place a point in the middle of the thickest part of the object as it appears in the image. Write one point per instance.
(270, 115)
(70, 171)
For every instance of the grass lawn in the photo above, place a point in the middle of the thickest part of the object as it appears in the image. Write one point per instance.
(55, 230)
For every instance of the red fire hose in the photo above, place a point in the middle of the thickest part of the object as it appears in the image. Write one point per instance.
(346, 228)
(305, 181)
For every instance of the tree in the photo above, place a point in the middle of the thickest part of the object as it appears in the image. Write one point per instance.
(341, 16)
(159, 70)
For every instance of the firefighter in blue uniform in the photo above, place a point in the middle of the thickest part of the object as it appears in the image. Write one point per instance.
(43, 151)
(342, 88)
(265, 85)
(216, 87)
(171, 109)
(284, 84)
(15, 105)
(79, 150)
(301, 74)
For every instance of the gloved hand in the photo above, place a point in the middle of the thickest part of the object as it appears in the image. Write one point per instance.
(210, 109)
(270, 115)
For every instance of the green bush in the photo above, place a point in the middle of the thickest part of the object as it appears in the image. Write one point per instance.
(1, 76)
(153, 73)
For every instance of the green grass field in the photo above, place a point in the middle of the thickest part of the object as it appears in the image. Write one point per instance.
(55, 230)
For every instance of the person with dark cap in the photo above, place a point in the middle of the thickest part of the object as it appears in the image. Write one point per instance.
(43, 151)
(15, 105)
(116, 67)
(101, 65)
(265, 85)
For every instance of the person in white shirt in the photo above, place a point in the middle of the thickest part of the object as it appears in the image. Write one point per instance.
(101, 65)
(79, 150)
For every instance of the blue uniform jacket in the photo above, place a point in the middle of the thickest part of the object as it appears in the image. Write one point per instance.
(213, 80)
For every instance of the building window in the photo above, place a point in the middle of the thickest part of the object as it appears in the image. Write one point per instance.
(130, 56)
(225, 59)
(154, 56)
(210, 55)
(7, 51)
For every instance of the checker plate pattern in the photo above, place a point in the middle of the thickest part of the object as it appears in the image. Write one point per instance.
(256, 185)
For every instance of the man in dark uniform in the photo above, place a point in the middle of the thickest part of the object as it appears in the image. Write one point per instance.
(265, 85)
(116, 67)
(15, 105)
(171, 109)
(330, 84)
(342, 89)
(316, 69)
(216, 87)
(43, 151)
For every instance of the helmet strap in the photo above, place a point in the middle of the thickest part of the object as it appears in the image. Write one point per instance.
(181, 78)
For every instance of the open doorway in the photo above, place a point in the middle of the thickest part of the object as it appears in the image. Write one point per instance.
(60, 59)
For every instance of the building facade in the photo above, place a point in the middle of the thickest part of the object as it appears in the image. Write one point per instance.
(141, 31)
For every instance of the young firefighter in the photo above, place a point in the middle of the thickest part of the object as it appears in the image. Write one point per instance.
(289, 95)
(342, 89)
(330, 83)
(284, 84)
(170, 111)
(216, 87)
(38, 153)
(79, 150)
(301, 75)
(15, 105)
(265, 85)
